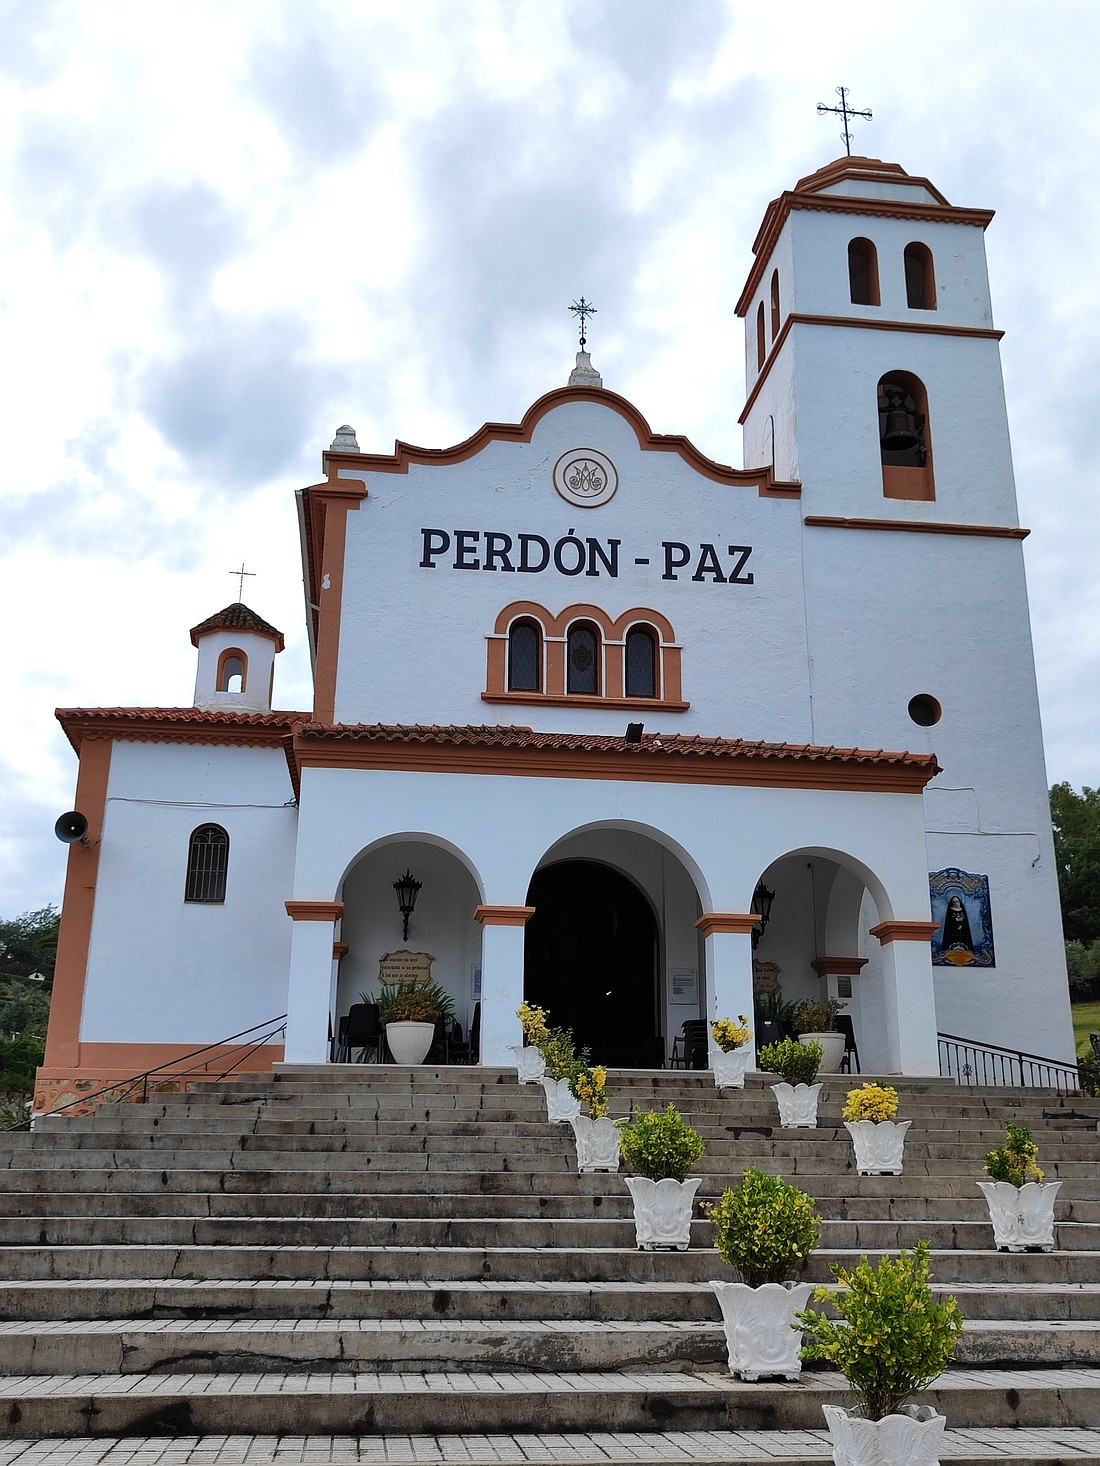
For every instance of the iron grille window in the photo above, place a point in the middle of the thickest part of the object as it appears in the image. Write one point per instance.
(207, 864)
(641, 663)
(584, 672)
(524, 658)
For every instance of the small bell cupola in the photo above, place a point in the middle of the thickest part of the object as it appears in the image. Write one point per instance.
(236, 670)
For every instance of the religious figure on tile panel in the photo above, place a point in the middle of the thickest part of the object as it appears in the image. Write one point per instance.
(960, 904)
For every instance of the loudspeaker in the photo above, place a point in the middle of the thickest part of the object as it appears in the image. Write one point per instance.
(71, 828)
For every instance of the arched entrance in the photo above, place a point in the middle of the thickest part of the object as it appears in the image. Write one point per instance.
(592, 959)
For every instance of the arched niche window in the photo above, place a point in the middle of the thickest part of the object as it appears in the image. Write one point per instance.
(641, 662)
(920, 278)
(775, 304)
(761, 338)
(583, 659)
(207, 864)
(905, 444)
(863, 272)
(524, 657)
(232, 670)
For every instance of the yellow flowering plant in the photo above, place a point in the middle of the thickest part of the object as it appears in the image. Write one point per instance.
(891, 1337)
(589, 1085)
(729, 1035)
(1017, 1161)
(765, 1228)
(875, 1102)
(534, 1022)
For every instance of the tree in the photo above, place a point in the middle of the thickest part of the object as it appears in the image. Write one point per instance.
(28, 944)
(1076, 821)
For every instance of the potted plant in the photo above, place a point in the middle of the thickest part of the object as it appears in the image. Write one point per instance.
(876, 1137)
(596, 1135)
(409, 1012)
(766, 1229)
(813, 1022)
(559, 1060)
(796, 1064)
(661, 1146)
(774, 1016)
(891, 1339)
(1021, 1204)
(731, 1059)
(530, 1065)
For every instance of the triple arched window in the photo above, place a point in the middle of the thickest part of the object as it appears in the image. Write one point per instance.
(207, 864)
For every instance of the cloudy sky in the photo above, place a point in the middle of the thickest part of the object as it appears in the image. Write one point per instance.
(228, 226)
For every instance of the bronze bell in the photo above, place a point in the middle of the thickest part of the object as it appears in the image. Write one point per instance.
(899, 432)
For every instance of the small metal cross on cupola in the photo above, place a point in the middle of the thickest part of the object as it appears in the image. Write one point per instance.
(845, 111)
(582, 309)
(240, 574)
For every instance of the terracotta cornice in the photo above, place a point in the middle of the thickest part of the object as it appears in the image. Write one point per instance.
(905, 931)
(503, 915)
(917, 526)
(339, 950)
(587, 700)
(736, 923)
(314, 910)
(176, 725)
(798, 318)
(838, 966)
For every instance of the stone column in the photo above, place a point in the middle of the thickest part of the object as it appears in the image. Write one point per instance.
(501, 981)
(728, 957)
(911, 1031)
(312, 979)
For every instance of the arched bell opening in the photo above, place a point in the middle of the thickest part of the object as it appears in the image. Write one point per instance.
(612, 950)
(905, 440)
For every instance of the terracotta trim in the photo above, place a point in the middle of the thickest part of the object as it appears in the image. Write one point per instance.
(406, 454)
(862, 168)
(503, 915)
(175, 725)
(78, 908)
(226, 655)
(732, 922)
(838, 966)
(128, 1059)
(905, 931)
(621, 763)
(337, 499)
(908, 482)
(916, 526)
(339, 949)
(919, 328)
(314, 910)
(588, 700)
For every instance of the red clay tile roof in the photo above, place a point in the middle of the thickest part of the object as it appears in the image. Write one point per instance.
(236, 617)
(198, 725)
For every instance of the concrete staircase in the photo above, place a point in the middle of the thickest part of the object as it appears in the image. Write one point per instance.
(362, 1263)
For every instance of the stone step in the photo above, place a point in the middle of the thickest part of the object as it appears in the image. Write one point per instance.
(370, 1402)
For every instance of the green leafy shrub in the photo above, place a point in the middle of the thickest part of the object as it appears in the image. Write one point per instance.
(1017, 1161)
(1088, 1075)
(795, 1062)
(773, 1008)
(765, 1228)
(892, 1337)
(411, 1002)
(811, 1016)
(560, 1055)
(660, 1143)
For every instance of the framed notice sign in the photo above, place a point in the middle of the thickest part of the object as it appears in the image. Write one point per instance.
(683, 986)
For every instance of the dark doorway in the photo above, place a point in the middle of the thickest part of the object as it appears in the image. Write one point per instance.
(591, 960)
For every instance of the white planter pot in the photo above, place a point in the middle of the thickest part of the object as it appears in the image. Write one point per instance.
(878, 1144)
(409, 1042)
(662, 1211)
(730, 1068)
(797, 1105)
(530, 1065)
(913, 1437)
(597, 1143)
(759, 1338)
(832, 1050)
(1022, 1216)
(562, 1105)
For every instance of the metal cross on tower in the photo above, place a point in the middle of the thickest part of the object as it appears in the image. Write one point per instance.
(240, 574)
(582, 309)
(845, 111)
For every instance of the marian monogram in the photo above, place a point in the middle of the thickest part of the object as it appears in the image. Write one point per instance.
(585, 478)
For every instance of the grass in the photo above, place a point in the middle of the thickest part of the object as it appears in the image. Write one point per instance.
(1086, 1020)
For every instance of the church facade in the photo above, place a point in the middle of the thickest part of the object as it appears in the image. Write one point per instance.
(610, 702)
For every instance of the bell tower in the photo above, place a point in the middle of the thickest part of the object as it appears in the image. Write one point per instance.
(236, 670)
(872, 363)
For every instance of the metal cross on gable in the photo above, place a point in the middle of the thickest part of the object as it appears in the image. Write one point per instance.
(845, 111)
(583, 309)
(240, 574)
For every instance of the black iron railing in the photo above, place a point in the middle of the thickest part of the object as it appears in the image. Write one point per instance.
(968, 1062)
(135, 1089)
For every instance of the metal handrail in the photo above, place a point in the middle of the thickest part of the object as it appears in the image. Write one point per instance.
(129, 1085)
(972, 1063)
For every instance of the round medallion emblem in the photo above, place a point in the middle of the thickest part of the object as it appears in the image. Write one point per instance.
(585, 477)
